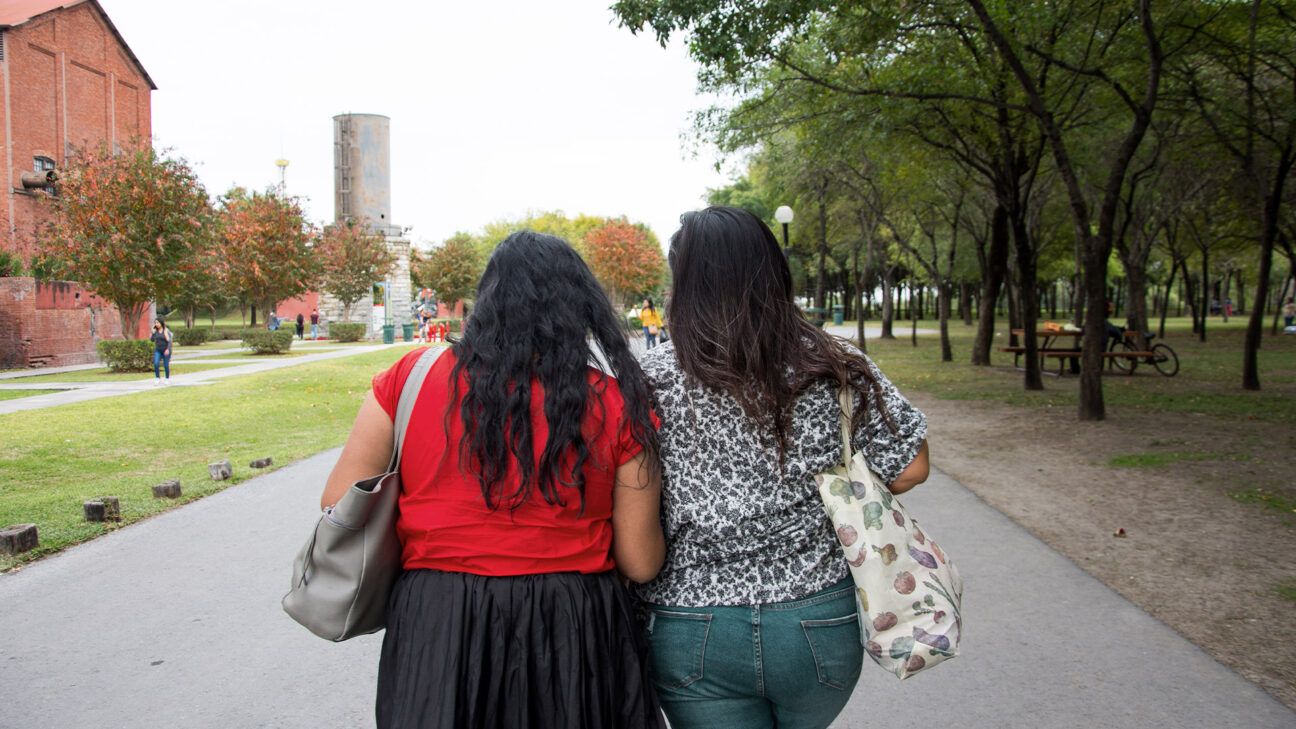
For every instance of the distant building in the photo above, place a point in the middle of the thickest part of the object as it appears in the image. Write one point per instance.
(68, 81)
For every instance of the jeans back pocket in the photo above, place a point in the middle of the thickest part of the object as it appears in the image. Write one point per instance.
(678, 647)
(835, 644)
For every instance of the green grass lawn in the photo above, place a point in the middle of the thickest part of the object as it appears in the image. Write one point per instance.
(1209, 379)
(55, 459)
(104, 374)
(15, 394)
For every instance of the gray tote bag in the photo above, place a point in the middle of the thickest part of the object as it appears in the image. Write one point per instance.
(343, 576)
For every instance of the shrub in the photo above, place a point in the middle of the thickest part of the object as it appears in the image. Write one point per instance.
(190, 337)
(126, 355)
(262, 341)
(344, 332)
(225, 333)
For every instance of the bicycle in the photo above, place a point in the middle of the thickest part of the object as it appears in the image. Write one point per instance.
(1159, 355)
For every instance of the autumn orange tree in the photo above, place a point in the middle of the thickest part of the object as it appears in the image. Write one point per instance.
(130, 226)
(626, 259)
(266, 254)
(452, 269)
(352, 257)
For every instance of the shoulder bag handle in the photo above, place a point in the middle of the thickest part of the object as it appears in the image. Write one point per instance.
(409, 394)
(846, 398)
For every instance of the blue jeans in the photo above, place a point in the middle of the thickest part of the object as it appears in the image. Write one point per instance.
(790, 665)
(649, 338)
(164, 360)
(314, 331)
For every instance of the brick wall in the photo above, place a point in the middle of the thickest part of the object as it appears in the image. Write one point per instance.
(55, 323)
(71, 85)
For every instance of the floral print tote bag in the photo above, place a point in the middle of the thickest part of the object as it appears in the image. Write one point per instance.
(909, 592)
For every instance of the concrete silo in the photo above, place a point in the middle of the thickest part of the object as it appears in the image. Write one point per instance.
(362, 191)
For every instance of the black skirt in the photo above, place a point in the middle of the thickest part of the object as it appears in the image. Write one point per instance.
(529, 652)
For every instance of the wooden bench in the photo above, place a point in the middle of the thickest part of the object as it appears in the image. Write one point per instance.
(1064, 354)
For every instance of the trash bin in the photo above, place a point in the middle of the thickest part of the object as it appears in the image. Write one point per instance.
(815, 315)
(839, 314)
(389, 333)
(407, 332)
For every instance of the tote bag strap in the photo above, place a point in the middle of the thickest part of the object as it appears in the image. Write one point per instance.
(409, 394)
(846, 398)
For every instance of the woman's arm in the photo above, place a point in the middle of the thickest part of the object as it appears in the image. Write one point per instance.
(367, 451)
(638, 545)
(915, 473)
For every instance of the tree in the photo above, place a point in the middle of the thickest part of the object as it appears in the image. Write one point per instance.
(130, 226)
(352, 257)
(266, 253)
(626, 259)
(452, 269)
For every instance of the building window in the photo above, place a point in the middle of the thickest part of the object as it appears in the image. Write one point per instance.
(44, 164)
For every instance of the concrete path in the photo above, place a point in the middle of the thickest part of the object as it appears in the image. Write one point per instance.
(70, 392)
(872, 332)
(175, 622)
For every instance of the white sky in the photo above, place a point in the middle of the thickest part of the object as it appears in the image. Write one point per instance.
(497, 107)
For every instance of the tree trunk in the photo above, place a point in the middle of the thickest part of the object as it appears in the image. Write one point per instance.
(1240, 309)
(943, 312)
(1205, 293)
(820, 283)
(130, 313)
(965, 303)
(913, 315)
(1224, 294)
(1094, 341)
(1136, 315)
(992, 275)
(1165, 304)
(1255, 326)
(888, 302)
(254, 312)
(1027, 305)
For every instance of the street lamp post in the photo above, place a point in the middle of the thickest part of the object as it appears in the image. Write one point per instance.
(784, 216)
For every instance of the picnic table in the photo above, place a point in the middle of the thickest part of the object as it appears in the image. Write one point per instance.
(1049, 349)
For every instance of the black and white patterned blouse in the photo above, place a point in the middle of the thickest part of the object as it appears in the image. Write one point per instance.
(739, 531)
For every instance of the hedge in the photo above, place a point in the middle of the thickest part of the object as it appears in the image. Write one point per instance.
(264, 341)
(344, 332)
(126, 355)
(190, 337)
(226, 333)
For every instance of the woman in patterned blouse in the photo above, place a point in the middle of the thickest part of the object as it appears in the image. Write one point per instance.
(752, 619)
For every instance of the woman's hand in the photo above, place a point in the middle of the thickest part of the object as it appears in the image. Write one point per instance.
(913, 474)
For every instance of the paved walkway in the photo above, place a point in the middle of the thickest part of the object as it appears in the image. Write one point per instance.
(70, 392)
(175, 622)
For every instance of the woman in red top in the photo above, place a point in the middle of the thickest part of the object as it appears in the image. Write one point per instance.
(529, 480)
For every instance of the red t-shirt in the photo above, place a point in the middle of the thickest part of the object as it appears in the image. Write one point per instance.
(444, 523)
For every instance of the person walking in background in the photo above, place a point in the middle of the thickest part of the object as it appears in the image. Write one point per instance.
(529, 481)
(652, 323)
(752, 620)
(314, 320)
(1289, 313)
(162, 340)
(301, 326)
(272, 322)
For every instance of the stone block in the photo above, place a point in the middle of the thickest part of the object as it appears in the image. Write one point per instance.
(167, 489)
(112, 508)
(18, 538)
(93, 510)
(262, 462)
(220, 471)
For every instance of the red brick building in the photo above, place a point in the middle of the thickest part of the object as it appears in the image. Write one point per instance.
(68, 81)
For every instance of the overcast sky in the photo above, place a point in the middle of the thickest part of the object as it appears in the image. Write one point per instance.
(496, 108)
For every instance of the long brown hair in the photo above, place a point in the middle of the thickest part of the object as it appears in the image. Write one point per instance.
(736, 328)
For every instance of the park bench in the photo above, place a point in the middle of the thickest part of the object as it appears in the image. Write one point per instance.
(1065, 354)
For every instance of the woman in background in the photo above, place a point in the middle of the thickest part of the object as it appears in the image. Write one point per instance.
(162, 341)
(652, 323)
(529, 480)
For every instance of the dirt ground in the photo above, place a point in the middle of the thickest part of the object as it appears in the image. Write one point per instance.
(1193, 557)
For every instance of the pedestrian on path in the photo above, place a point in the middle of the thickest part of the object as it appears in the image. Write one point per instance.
(1289, 314)
(520, 466)
(301, 326)
(161, 351)
(752, 619)
(315, 320)
(652, 323)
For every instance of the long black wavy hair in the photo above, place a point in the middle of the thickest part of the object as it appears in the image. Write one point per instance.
(539, 310)
(737, 329)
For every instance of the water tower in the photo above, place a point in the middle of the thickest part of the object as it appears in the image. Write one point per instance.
(362, 191)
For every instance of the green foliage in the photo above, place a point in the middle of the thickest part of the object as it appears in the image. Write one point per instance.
(344, 332)
(453, 269)
(264, 341)
(221, 333)
(126, 355)
(191, 337)
(265, 248)
(10, 265)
